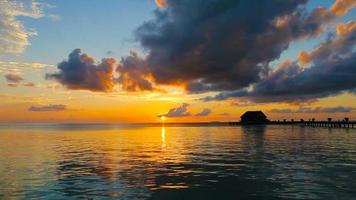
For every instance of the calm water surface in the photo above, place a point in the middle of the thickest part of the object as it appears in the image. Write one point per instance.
(137, 162)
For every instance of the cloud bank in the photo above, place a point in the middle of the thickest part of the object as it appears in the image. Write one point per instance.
(203, 113)
(13, 78)
(182, 111)
(14, 36)
(228, 46)
(211, 45)
(49, 108)
(338, 109)
(332, 70)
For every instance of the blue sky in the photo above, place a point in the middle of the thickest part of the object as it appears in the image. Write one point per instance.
(94, 26)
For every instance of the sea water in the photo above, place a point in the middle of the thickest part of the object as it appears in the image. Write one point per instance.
(59, 161)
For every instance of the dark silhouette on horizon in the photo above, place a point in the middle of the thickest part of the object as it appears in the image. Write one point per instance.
(259, 118)
(254, 117)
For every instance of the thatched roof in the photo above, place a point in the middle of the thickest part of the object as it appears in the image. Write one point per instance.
(254, 114)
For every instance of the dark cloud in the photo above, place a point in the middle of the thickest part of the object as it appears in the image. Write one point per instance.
(182, 111)
(81, 72)
(135, 74)
(204, 45)
(214, 45)
(338, 109)
(13, 78)
(226, 46)
(226, 95)
(203, 113)
(332, 70)
(53, 108)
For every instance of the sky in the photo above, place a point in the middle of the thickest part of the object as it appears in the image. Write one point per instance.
(133, 61)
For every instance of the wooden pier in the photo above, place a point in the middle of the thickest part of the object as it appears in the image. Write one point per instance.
(310, 123)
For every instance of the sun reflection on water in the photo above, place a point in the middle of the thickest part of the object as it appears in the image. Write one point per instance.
(163, 136)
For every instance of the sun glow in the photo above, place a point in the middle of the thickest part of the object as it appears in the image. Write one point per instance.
(163, 118)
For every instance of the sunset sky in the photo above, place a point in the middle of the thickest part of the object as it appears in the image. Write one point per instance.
(123, 61)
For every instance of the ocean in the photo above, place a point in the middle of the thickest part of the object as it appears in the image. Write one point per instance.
(180, 161)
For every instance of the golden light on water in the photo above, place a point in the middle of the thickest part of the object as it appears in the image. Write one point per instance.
(163, 137)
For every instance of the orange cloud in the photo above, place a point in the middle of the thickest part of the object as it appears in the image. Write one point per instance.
(341, 7)
(305, 57)
(344, 29)
(320, 14)
(282, 21)
(161, 3)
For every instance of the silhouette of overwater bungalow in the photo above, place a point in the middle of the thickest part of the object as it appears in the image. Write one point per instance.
(254, 117)
(258, 117)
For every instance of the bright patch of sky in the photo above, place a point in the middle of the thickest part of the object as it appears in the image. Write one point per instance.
(103, 29)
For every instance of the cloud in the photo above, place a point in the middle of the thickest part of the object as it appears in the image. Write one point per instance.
(203, 113)
(81, 72)
(332, 47)
(341, 7)
(224, 114)
(182, 111)
(161, 3)
(20, 66)
(134, 73)
(52, 108)
(14, 36)
(13, 78)
(345, 29)
(331, 71)
(12, 84)
(30, 84)
(54, 17)
(209, 45)
(338, 109)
